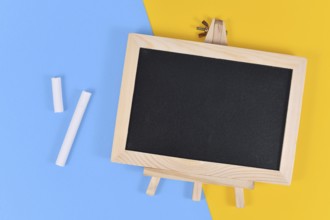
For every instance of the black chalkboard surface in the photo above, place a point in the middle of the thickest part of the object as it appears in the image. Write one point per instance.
(209, 109)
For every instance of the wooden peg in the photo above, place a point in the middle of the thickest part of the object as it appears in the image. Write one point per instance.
(239, 195)
(153, 184)
(197, 191)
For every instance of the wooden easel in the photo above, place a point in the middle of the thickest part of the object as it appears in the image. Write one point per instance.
(215, 34)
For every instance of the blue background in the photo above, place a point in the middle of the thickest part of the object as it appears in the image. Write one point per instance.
(84, 42)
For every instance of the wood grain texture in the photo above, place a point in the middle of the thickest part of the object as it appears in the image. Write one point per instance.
(195, 167)
(170, 174)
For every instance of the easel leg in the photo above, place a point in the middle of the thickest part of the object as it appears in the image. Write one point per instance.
(153, 184)
(197, 191)
(239, 195)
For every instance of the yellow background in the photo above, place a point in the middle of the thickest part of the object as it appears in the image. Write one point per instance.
(287, 26)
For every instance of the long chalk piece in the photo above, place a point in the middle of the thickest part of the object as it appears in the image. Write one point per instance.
(73, 128)
(57, 94)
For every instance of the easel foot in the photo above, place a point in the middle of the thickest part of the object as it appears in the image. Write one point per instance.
(197, 191)
(154, 181)
(239, 195)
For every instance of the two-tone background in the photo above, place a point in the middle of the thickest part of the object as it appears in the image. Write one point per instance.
(84, 42)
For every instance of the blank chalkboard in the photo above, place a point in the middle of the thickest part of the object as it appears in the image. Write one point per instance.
(208, 112)
(209, 109)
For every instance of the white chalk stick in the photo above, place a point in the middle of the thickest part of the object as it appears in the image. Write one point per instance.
(73, 128)
(57, 94)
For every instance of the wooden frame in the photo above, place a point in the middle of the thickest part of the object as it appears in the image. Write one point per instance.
(197, 168)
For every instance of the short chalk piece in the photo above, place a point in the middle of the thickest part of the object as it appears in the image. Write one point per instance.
(57, 94)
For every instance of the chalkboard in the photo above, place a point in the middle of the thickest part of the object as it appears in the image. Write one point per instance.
(209, 109)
